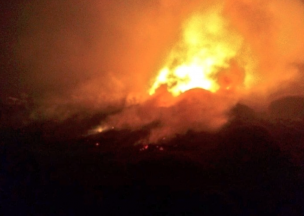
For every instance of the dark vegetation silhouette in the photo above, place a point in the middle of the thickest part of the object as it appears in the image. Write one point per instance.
(252, 166)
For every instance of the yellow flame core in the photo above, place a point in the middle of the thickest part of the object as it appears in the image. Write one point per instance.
(207, 46)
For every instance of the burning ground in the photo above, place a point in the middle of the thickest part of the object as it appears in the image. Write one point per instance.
(253, 165)
(101, 56)
(140, 108)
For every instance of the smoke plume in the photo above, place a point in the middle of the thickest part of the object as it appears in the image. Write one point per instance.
(103, 55)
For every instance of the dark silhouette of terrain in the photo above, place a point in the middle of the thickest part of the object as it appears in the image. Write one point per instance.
(252, 166)
(288, 107)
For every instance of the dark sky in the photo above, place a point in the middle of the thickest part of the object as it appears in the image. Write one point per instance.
(9, 11)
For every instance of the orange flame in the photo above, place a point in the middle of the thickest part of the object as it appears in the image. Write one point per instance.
(206, 49)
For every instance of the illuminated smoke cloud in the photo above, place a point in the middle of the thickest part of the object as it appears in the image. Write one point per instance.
(100, 55)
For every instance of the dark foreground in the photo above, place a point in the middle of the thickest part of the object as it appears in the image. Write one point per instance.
(252, 166)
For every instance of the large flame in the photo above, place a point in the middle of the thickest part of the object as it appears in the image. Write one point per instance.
(208, 48)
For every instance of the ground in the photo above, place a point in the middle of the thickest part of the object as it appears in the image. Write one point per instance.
(252, 166)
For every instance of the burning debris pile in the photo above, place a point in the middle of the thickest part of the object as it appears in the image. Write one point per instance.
(161, 99)
(228, 52)
(252, 164)
(174, 65)
(206, 57)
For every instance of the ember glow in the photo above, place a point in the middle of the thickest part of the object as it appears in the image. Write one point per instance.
(98, 129)
(207, 48)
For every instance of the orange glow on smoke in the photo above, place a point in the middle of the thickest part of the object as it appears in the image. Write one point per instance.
(205, 57)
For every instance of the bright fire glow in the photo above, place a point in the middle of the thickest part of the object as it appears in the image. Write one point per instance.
(98, 129)
(207, 47)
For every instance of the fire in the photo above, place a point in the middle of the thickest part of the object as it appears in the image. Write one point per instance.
(202, 56)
